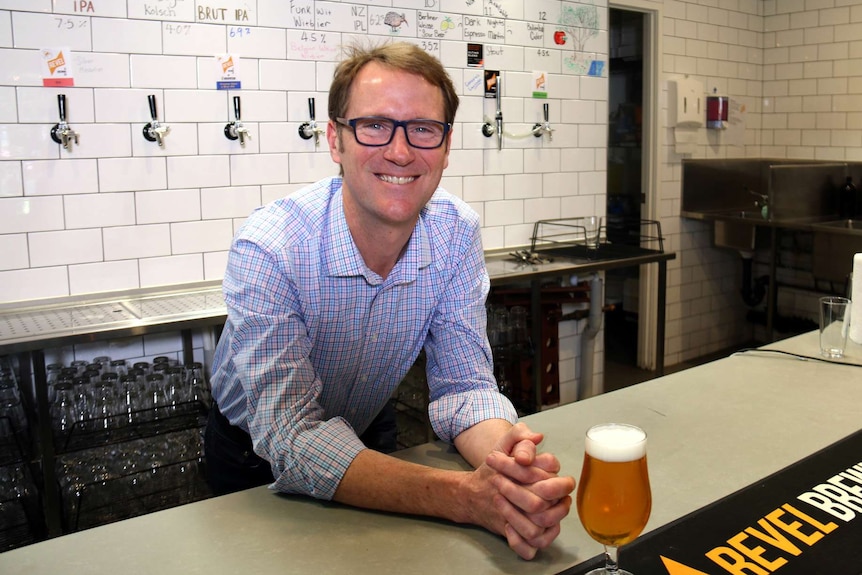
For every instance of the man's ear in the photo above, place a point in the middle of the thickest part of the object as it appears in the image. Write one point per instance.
(333, 138)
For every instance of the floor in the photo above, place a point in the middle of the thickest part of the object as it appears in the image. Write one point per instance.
(621, 354)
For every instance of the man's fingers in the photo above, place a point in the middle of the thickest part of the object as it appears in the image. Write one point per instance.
(537, 497)
(509, 467)
(519, 432)
(518, 544)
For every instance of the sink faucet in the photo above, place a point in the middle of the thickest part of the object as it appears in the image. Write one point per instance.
(762, 202)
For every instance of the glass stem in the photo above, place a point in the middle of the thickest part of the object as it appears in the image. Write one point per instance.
(611, 564)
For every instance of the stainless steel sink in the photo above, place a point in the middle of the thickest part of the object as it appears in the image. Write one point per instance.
(735, 234)
(840, 225)
(737, 229)
(743, 215)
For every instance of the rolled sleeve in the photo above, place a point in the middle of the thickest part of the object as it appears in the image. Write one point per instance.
(454, 413)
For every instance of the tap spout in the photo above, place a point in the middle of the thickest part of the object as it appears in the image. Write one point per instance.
(498, 117)
(545, 127)
(310, 129)
(236, 130)
(154, 131)
(62, 133)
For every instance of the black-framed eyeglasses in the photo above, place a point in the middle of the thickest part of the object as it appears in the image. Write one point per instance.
(378, 131)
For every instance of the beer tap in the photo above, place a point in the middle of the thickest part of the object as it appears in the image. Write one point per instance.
(539, 129)
(488, 129)
(153, 130)
(61, 132)
(235, 130)
(310, 129)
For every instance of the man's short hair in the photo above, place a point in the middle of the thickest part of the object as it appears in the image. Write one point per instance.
(401, 56)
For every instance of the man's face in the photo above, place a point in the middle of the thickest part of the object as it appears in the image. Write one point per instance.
(388, 185)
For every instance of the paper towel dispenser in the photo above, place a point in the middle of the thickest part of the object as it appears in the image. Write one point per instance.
(685, 102)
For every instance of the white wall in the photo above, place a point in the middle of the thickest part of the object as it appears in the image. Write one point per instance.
(119, 212)
(796, 65)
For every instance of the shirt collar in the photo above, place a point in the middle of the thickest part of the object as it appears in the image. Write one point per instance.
(342, 258)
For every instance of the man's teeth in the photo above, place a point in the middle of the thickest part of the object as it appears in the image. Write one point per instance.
(397, 179)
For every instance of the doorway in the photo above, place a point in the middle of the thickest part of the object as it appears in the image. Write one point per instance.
(632, 145)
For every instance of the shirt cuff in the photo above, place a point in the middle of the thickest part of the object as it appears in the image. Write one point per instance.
(454, 413)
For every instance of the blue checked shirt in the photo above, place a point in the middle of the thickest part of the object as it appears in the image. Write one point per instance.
(315, 343)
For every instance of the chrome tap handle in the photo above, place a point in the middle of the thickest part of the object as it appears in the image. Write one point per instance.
(235, 130)
(310, 129)
(154, 131)
(151, 99)
(499, 115)
(61, 132)
(61, 105)
(546, 127)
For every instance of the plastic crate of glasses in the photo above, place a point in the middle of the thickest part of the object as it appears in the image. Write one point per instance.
(121, 480)
(14, 425)
(107, 401)
(21, 521)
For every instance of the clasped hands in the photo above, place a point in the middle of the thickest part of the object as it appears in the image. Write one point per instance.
(521, 494)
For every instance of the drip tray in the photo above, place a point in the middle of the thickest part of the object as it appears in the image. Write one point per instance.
(82, 317)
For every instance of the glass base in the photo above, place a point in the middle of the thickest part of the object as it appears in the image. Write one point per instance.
(603, 571)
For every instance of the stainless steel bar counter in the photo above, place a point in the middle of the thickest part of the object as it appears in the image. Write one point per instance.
(712, 430)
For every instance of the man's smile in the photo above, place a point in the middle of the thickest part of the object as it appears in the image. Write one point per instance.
(396, 179)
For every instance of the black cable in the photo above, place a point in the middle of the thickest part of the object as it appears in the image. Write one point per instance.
(794, 355)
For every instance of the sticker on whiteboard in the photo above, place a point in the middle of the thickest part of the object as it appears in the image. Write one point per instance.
(475, 58)
(491, 83)
(540, 85)
(57, 67)
(597, 68)
(228, 72)
(474, 82)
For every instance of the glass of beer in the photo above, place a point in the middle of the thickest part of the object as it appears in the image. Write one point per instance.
(614, 499)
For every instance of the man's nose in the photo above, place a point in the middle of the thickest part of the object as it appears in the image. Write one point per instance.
(399, 144)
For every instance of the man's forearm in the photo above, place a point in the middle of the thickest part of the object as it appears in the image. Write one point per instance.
(475, 443)
(384, 483)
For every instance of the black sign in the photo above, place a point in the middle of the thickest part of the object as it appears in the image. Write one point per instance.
(804, 520)
(475, 58)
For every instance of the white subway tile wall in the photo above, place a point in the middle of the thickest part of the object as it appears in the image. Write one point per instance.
(165, 215)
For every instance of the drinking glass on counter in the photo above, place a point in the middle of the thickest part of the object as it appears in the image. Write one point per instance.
(834, 320)
(614, 499)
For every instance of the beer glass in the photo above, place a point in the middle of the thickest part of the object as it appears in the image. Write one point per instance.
(614, 499)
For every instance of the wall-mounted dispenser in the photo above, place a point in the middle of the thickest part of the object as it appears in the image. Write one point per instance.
(685, 102)
(685, 112)
(716, 110)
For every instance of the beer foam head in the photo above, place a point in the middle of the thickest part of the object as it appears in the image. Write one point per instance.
(616, 442)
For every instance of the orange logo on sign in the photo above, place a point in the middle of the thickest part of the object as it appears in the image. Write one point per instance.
(227, 64)
(676, 568)
(55, 63)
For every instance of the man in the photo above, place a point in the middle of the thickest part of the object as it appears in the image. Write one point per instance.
(333, 292)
